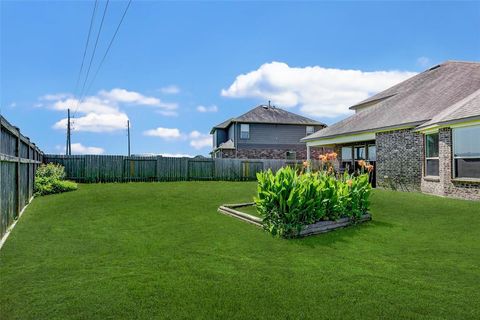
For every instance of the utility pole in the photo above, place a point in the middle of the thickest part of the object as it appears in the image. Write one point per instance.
(68, 149)
(128, 133)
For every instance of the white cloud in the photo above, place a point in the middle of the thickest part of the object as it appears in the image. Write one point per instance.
(102, 112)
(168, 113)
(176, 155)
(212, 108)
(95, 122)
(12, 105)
(125, 96)
(78, 148)
(56, 96)
(423, 62)
(164, 133)
(200, 140)
(195, 138)
(318, 91)
(170, 89)
(122, 95)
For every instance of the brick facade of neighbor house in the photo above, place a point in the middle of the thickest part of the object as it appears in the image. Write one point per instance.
(399, 159)
(272, 153)
(445, 184)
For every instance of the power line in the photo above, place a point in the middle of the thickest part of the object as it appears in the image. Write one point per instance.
(105, 55)
(93, 55)
(109, 45)
(86, 45)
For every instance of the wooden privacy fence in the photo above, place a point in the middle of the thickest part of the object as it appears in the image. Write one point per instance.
(19, 159)
(107, 168)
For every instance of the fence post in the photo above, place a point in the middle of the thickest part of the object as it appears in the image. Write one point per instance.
(17, 153)
(186, 169)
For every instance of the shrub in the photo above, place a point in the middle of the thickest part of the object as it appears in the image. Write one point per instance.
(49, 179)
(288, 200)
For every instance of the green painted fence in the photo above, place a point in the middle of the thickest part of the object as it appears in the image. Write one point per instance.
(111, 168)
(19, 159)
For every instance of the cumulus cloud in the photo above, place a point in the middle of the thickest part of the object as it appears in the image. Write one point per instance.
(195, 138)
(212, 108)
(96, 122)
(170, 89)
(317, 91)
(78, 148)
(102, 112)
(164, 133)
(200, 140)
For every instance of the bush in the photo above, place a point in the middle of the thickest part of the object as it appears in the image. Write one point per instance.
(49, 179)
(289, 200)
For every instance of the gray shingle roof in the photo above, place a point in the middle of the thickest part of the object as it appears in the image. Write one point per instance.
(266, 114)
(468, 108)
(413, 101)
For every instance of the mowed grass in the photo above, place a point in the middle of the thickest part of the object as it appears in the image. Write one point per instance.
(161, 250)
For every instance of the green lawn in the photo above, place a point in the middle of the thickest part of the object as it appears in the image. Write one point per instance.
(161, 250)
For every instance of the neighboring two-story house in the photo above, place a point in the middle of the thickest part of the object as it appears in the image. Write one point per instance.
(265, 132)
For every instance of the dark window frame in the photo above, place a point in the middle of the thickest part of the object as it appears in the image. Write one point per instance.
(309, 133)
(429, 158)
(454, 138)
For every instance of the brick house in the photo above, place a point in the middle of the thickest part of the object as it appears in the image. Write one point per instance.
(265, 132)
(422, 134)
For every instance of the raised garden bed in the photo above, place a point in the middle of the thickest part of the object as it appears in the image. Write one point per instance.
(311, 229)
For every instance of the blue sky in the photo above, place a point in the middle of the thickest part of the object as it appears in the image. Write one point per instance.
(178, 68)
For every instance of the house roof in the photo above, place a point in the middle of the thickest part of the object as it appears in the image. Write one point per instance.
(468, 108)
(269, 114)
(414, 101)
(226, 145)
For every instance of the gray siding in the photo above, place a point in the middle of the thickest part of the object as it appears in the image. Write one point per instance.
(273, 134)
(221, 136)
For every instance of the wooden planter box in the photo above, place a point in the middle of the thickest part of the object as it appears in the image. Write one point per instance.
(311, 229)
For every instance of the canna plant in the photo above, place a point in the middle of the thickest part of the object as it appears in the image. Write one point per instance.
(288, 200)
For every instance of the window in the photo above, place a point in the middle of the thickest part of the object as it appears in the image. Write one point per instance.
(360, 153)
(244, 131)
(346, 153)
(466, 152)
(372, 153)
(347, 158)
(291, 155)
(431, 155)
(310, 130)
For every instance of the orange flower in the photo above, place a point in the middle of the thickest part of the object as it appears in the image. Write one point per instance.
(349, 182)
(369, 167)
(323, 158)
(331, 156)
(362, 163)
(306, 164)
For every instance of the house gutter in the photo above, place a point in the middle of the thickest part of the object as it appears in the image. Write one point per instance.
(458, 123)
(362, 135)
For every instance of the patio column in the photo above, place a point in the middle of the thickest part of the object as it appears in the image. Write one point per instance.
(308, 152)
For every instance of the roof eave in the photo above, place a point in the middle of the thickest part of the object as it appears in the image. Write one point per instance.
(374, 130)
